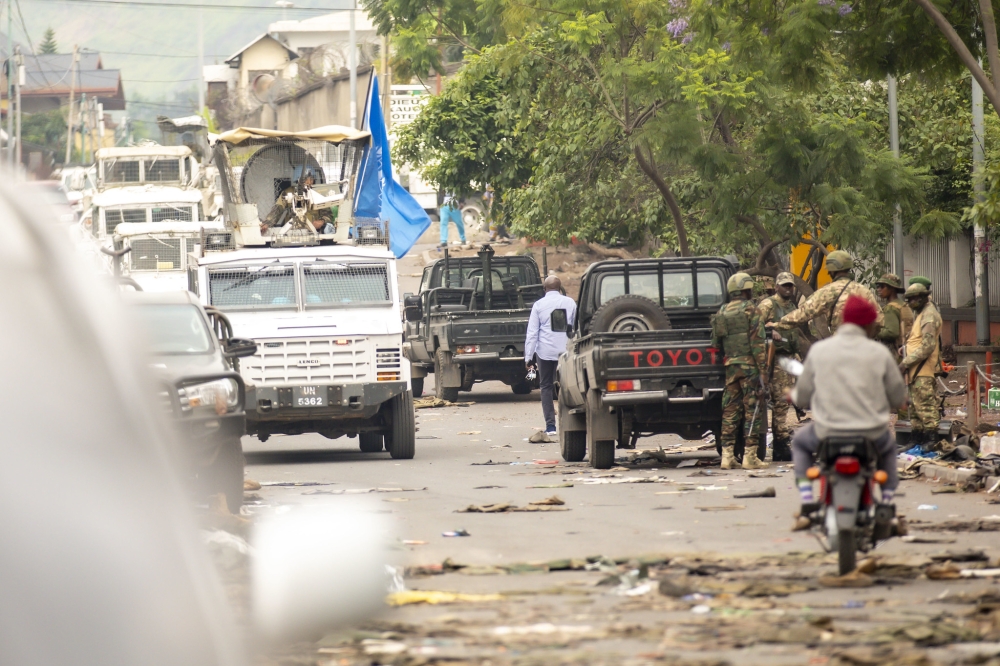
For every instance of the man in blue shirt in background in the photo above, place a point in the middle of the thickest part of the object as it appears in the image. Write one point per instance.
(543, 342)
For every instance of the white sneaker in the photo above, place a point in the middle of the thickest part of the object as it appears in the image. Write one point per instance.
(552, 434)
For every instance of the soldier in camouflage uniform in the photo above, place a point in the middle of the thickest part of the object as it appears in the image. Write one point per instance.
(825, 308)
(897, 315)
(923, 354)
(772, 309)
(739, 333)
(767, 284)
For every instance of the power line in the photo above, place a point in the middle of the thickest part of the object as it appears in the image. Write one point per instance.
(176, 106)
(157, 55)
(194, 5)
(159, 80)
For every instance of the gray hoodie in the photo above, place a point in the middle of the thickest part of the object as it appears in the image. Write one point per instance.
(851, 383)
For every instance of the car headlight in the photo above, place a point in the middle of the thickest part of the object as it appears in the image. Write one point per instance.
(221, 395)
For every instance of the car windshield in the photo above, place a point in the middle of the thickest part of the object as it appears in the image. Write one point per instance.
(677, 288)
(345, 285)
(175, 328)
(252, 288)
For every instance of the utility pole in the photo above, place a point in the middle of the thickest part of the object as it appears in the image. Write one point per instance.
(201, 61)
(352, 64)
(897, 221)
(981, 249)
(10, 84)
(18, 82)
(83, 114)
(69, 118)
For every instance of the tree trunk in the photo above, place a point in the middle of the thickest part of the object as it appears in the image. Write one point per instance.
(649, 168)
(765, 238)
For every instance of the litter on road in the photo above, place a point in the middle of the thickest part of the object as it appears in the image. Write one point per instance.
(436, 597)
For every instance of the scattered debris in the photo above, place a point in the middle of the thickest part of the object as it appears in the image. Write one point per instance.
(767, 492)
(540, 437)
(487, 487)
(728, 507)
(456, 533)
(470, 432)
(363, 491)
(436, 597)
(554, 485)
(250, 485)
(551, 504)
(854, 579)
(430, 401)
(927, 507)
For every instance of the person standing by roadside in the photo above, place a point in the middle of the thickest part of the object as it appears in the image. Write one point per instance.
(920, 365)
(451, 209)
(738, 331)
(545, 344)
(772, 309)
(897, 315)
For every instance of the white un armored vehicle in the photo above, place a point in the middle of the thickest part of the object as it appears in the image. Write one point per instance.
(314, 287)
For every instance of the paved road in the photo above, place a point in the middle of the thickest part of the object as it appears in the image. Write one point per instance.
(566, 616)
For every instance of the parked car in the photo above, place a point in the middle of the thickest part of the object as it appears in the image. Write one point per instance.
(195, 356)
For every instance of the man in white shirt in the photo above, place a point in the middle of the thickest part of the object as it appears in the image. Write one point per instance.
(546, 344)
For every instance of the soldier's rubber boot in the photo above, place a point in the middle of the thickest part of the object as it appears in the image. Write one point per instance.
(782, 451)
(751, 461)
(931, 441)
(728, 457)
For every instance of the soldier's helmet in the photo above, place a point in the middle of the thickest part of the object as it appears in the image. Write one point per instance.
(916, 289)
(890, 280)
(920, 279)
(739, 282)
(838, 260)
(785, 278)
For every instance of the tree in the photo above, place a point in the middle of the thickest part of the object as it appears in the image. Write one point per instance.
(45, 130)
(48, 45)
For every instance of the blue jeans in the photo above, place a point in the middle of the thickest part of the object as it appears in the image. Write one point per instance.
(451, 212)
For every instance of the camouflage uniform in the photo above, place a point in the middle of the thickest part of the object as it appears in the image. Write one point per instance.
(738, 331)
(772, 309)
(897, 318)
(922, 357)
(828, 299)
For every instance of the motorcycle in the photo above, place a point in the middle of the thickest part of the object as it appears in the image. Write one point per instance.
(846, 516)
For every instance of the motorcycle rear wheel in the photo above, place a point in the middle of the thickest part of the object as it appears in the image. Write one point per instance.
(846, 552)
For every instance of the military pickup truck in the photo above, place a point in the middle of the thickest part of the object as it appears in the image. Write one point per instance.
(465, 329)
(640, 359)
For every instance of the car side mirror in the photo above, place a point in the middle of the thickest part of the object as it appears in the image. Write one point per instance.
(238, 348)
(412, 309)
(558, 321)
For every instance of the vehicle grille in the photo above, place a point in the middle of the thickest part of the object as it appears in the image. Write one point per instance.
(308, 361)
(387, 358)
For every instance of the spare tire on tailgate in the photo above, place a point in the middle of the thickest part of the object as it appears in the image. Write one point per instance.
(629, 314)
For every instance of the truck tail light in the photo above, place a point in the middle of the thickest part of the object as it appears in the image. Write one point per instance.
(848, 465)
(388, 376)
(467, 349)
(623, 385)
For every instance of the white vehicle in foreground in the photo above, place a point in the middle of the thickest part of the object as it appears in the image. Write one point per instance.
(329, 340)
(156, 255)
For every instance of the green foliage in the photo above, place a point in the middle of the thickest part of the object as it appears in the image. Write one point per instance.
(747, 113)
(48, 45)
(45, 131)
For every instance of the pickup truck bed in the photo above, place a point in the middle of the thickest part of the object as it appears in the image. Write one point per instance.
(615, 386)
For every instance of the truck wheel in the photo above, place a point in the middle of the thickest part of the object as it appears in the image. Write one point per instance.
(400, 441)
(629, 313)
(602, 454)
(417, 385)
(573, 444)
(443, 392)
(225, 474)
(370, 442)
(521, 388)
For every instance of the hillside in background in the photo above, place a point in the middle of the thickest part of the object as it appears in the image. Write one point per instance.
(156, 49)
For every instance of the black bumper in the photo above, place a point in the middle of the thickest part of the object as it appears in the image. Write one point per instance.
(344, 401)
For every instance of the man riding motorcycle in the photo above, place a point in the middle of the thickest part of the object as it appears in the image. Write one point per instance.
(851, 383)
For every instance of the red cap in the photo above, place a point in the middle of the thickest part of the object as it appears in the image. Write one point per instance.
(859, 311)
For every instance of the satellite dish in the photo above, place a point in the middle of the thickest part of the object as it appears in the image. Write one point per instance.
(260, 86)
(271, 170)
